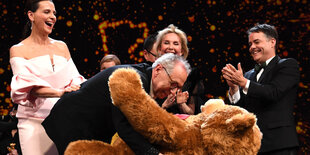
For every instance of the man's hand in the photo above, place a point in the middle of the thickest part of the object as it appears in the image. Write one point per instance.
(234, 77)
(226, 71)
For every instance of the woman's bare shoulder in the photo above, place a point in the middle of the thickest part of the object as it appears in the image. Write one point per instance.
(62, 46)
(59, 43)
(18, 50)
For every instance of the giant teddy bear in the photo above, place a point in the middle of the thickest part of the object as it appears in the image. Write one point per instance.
(218, 129)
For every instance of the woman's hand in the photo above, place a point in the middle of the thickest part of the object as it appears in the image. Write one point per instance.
(169, 101)
(72, 88)
(69, 89)
(182, 97)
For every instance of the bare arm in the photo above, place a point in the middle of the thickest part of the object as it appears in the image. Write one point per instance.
(187, 108)
(182, 98)
(46, 92)
(51, 92)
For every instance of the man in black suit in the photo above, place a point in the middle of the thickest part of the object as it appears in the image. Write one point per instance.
(269, 91)
(89, 113)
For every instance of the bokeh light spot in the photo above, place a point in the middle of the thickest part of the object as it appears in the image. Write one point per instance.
(189, 38)
(1, 70)
(69, 23)
(96, 17)
(237, 54)
(191, 19)
(212, 50)
(212, 27)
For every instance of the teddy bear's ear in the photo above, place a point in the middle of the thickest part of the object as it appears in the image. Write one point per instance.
(211, 105)
(241, 122)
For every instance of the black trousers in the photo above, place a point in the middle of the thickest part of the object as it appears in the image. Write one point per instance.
(287, 151)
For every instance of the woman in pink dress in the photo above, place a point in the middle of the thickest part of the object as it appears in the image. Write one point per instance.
(43, 71)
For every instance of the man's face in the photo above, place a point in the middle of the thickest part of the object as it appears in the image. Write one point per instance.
(261, 48)
(106, 65)
(165, 83)
(150, 56)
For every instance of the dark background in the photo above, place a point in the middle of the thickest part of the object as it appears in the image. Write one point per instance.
(216, 32)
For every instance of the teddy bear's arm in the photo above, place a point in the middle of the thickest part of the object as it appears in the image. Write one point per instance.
(144, 114)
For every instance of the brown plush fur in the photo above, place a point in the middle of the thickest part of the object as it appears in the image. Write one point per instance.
(231, 130)
(95, 147)
(219, 129)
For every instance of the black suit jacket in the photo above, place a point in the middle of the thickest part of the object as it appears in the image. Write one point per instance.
(89, 114)
(272, 99)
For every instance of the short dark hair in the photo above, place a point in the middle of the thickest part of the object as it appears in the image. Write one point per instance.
(269, 30)
(149, 42)
(109, 58)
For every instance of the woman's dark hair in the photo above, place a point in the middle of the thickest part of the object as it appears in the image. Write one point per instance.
(31, 5)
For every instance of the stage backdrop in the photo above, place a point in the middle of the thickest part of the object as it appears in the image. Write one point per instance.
(216, 31)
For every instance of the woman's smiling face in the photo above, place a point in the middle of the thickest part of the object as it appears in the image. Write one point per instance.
(171, 43)
(44, 18)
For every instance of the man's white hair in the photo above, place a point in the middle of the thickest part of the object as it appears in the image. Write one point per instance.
(169, 60)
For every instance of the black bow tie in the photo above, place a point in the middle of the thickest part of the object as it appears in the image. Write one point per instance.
(258, 67)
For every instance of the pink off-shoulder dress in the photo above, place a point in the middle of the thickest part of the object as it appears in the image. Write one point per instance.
(38, 71)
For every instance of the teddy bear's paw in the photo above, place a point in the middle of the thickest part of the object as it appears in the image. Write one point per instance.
(124, 84)
(89, 147)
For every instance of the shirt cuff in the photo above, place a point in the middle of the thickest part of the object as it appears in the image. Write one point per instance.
(245, 89)
(234, 98)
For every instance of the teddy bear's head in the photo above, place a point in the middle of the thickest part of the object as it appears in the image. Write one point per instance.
(229, 129)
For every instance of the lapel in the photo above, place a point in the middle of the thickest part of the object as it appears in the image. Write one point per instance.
(268, 68)
(252, 75)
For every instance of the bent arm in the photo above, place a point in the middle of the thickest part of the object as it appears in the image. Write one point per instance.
(182, 99)
(46, 92)
(187, 108)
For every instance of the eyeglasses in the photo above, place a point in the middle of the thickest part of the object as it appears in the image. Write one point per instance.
(173, 84)
(151, 53)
